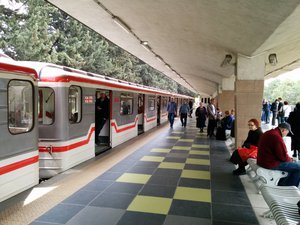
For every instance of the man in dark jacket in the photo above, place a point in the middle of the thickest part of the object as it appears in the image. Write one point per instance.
(272, 154)
(294, 120)
(101, 114)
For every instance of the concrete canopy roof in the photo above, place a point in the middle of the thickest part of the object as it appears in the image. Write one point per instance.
(188, 39)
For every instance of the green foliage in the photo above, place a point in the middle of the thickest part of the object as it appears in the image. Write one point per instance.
(44, 33)
(288, 90)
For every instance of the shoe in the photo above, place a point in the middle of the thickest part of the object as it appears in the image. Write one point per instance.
(238, 172)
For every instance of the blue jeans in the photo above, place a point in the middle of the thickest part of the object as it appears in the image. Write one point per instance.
(171, 117)
(293, 177)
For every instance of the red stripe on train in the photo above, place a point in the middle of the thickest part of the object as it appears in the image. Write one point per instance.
(18, 165)
(68, 147)
(113, 124)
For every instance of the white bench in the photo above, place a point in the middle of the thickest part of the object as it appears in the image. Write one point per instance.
(261, 176)
(282, 201)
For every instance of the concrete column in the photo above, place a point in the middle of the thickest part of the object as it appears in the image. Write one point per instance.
(226, 94)
(249, 88)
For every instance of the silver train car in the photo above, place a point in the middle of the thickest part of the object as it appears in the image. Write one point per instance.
(63, 116)
(19, 156)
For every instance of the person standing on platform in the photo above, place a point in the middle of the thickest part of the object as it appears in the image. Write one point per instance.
(212, 117)
(101, 114)
(191, 103)
(201, 114)
(172, 111)
(183, 112)
(272, 154)
(294, 121)
(274, 109)
(280, 112)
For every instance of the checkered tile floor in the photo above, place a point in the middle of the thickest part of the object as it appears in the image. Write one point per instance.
(181, 178)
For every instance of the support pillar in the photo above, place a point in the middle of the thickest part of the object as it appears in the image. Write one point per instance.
(226, 94)
(249, 88)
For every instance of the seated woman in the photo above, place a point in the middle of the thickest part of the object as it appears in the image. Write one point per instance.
(249, 148)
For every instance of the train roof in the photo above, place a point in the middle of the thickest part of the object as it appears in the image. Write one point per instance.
(48, 72)
(10, 65)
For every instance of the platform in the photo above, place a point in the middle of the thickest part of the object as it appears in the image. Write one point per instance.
(163, 177)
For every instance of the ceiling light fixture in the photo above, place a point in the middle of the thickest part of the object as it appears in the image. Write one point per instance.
(226, 60)
(159, 58)
(121, 24)
(273, 59)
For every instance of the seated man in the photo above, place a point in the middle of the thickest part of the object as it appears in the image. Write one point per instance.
(272, 154)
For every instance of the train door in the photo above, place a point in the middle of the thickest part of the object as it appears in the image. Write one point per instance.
(141, 111)
(102, 121)
(158, 110)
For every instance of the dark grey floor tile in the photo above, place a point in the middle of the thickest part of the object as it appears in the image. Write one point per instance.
(164, 180)
(158, 191)
(141, 169)
(81, 197)
(110, 176)
(236, 214)
(161, 154)
(167, 172)
(190, 209)
(138, 218)
(61, 213)
(148, 164)
(97, 215)
(120, 168)
(184, 220)
(178, 154)
(42, 223)
(194, 183)
(218, 222)
(196, 167)
(230, 197)
(173, 159)
(113, 200)
(192, 156)
(97, 185)
(121, 187)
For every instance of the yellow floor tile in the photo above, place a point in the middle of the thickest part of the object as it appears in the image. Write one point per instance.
(193, 194)
(200, 146)
(199, 152)
(197, 161)
(134, 178)
(163, 150)
(187, 148)
(173, 137)
(171, 165)
(196, 174)
(186, 140)
(152, 158)
(177, 132)
(150, 204)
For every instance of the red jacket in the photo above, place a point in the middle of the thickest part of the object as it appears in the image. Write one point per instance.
(272, 150)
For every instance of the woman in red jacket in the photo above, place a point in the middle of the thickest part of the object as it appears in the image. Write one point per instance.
(249, 148)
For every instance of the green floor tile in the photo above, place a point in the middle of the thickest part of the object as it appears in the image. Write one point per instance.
(197, 161)
(163, 150)
(198, 152)
(193, 194)
(187, 148)
(173, 137)
(134, 178)
(149, 204)
(195, 174)
(186, 140)
(171, 165)
(200, 146)
(153, 158)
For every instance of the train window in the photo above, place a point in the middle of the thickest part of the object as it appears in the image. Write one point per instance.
(151, 103)
(20, 106)
(126, 104)
(46, 103)
(74, 104)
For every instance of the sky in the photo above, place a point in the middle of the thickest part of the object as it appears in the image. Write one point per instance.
(292, 75)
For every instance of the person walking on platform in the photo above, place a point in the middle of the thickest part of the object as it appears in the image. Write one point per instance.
(183, 112)
(201, 114)
(274, 109)
(272, 154)
(294, 121)
(248, 149)
(191, 103)
(212, 117)
(172, 111)
(101, 114)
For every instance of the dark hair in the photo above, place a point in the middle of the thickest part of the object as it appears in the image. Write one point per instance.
(255, 121)
(298, 105)
(285, 102)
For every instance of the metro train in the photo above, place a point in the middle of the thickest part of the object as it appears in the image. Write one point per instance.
(47, 117)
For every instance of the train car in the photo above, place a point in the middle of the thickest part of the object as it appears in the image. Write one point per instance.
(19, 157)
(66, 114)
